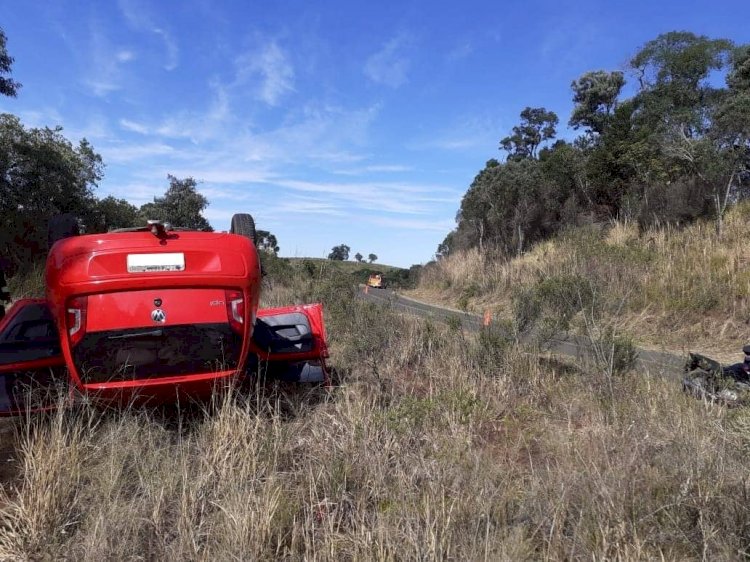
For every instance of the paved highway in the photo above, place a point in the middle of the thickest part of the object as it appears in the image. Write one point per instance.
(656, 362)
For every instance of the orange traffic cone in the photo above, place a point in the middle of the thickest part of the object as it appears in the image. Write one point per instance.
(487, 318)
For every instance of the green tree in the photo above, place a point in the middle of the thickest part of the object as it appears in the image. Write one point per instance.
(8, 86)
(537, 126)
(507, 208)
(181, 205)
(41, 174)
(358, 257)
(731, 134)
(676, 97)
(339, 253)
(112, 213)
(445, 248)
(372, 258)
(267, 242)
(595, 95)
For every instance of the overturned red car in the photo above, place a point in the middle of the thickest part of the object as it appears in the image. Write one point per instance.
(153, 314)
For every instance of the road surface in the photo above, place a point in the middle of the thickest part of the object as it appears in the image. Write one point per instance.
(657, 362)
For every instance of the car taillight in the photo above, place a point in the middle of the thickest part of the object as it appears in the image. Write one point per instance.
(75, 319)
(235, 310)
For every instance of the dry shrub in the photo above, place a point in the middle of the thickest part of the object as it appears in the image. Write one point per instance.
(437, 445)
(675, 288)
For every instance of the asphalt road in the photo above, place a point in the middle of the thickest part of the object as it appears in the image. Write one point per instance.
(656, 362)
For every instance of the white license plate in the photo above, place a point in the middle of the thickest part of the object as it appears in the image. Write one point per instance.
(149, 263)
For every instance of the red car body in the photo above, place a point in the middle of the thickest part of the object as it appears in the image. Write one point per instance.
(163, 314)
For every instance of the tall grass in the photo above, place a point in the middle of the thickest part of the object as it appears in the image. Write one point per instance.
(672, 287)
(436, 445)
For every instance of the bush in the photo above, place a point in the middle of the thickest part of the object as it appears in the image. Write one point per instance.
(547, 307)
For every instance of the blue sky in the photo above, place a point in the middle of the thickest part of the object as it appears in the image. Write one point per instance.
(331, 122)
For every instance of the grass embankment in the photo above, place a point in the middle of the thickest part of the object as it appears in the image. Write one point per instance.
(674, 289)
(435, 445)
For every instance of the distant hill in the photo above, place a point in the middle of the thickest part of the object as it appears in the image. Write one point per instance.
(360, 271)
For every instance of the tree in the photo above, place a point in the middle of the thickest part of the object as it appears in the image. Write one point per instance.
(358, 257)
(731, 134)
(339, 253)
(267, 242)
(114, 213)
(41, 174)
(676, 97)
(445, 248)
(537, 126)
(181, 205)
(8, 86)
(372, 258)
(595, 95)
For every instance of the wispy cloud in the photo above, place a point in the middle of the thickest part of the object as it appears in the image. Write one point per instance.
(120, 152)
(459, 52)
(105, 73)
(269, 70)
(172, 52)
(134, 127)
(415, 224)
(139, 17)
(374, 169)
(467, 132)
(193, 125)
(390, 197)
(390, 65)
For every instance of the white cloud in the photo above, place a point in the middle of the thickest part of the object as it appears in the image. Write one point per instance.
(139, 17)
(134, 127)
(124, 56)
(270, 67)
(119, 153)
(374, 169)
(105, 68)
(467, 132)
(170, 45)
(390, 65)
(444, 225)
(390, 197)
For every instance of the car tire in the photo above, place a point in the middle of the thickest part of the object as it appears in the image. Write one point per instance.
(62, 226)
(244, 225)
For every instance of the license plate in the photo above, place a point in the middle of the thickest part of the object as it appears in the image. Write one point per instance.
(150, 263)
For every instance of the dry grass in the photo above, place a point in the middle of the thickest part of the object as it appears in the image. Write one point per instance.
(672, 288)
(436, 445)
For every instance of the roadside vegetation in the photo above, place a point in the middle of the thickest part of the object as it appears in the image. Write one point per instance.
(671, 288)
(433, 444)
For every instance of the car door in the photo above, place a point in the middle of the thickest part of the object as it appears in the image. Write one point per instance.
(32, 368)
(291, 343)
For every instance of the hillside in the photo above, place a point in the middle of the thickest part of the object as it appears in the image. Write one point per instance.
(667, 288)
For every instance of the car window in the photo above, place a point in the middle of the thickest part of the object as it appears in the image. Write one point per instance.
(34, 321)
(31, 335)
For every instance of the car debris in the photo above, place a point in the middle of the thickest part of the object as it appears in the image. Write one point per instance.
(710, 380)
(152, 314)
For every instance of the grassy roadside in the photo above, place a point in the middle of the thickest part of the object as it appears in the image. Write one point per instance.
(672, 289)
(435, 445)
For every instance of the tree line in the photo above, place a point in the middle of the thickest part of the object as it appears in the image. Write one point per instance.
(341, 253)
(677, 150)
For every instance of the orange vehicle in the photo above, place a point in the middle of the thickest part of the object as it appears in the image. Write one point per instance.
(376, 281)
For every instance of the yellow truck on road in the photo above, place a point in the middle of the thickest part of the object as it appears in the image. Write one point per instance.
(376, 281)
